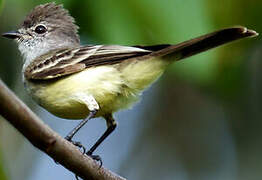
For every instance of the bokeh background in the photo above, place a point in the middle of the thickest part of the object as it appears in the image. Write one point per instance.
(201, 120)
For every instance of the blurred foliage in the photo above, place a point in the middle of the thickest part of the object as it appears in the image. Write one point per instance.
(206, 115)
(1, 5)
(230, 81)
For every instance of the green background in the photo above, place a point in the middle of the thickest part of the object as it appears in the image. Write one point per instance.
(201, 120)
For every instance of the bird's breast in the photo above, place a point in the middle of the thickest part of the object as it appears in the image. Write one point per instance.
(58, 96)
(114, 87)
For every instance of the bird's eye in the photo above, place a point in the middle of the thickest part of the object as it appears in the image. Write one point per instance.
(40, 29)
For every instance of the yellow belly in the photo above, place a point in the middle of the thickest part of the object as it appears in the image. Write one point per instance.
(113, 87)
(60, 96)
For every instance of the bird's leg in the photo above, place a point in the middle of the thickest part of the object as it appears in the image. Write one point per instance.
(93, 108)
(111, 125)
(71, 134)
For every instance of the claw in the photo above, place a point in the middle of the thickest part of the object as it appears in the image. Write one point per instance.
(96, 158)
(77, 144)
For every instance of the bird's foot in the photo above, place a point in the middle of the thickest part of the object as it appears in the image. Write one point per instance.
(95, 157)
(77, 144)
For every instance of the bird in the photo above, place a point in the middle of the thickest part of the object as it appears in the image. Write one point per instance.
(75, 81)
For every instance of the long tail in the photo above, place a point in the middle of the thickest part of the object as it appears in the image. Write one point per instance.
(202, 43)
(142, 73)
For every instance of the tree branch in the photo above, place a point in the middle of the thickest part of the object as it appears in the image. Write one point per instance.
(44, 138)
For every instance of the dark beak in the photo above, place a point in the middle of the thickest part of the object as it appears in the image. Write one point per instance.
(12, 35)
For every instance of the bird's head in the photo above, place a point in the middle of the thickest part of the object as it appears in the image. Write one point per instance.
(46, 27)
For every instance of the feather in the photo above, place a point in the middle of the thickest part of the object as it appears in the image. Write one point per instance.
(68, 61)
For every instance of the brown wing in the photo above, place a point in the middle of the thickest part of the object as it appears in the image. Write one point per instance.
(67, 61)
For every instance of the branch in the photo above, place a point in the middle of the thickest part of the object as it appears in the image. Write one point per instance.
(48, 141)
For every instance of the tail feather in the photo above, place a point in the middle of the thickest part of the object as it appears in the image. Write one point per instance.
(141, 73)
(201, 44)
